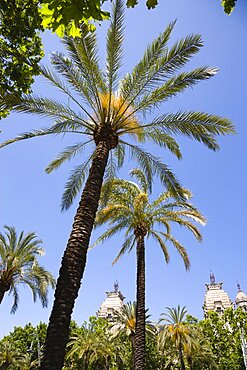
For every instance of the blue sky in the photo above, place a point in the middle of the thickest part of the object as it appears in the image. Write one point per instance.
(30, 198)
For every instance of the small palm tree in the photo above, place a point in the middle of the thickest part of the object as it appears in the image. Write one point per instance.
(109, 115)
(199, 354)
(93, 347)
(125, 324)
(28, 363)
(10, 356)
(19, 265)
(176, 331)
(184, 342)
(128, 208)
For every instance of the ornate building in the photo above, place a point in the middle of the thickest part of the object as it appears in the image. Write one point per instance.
(216, 299)
(241, 299)
(113, 302)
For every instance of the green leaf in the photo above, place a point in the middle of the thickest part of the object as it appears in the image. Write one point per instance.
(228, 5)
(151, 4)
(131, 3)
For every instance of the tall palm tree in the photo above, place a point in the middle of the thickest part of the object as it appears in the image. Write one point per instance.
(129, 208)
(19, 265)
(109, 115)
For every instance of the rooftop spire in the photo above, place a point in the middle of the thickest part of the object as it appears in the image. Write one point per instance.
(116, 286)
(212, 278)
(238, 286)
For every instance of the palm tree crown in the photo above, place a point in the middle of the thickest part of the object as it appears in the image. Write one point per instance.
(129, 208)
(19, 265)
(104, 106)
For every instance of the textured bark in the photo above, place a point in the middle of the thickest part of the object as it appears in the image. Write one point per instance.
(4, 287)
(181, 357)
(2, 292)
(132, 338)
(139, 351)
(73, 263)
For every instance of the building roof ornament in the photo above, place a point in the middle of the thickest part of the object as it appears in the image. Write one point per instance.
(116, 286)
(212, 278)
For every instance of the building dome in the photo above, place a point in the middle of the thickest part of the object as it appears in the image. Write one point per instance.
(216, 299)
(241, 299)
(112, 304)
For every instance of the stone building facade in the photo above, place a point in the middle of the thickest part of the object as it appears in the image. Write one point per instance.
(216, 299)
(113, 302)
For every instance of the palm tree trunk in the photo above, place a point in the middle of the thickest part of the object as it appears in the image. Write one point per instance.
(181, 357)
(190, 363)
(2, 292)
(3, 289)
(73, 263)
(132, 338)
(139, 351)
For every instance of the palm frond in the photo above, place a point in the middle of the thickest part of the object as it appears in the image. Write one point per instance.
(112, 213)
(139, 175)
(84, 53)
(200, 126)
(133, 83)
(69, 153)
(111, 168)
(174, 316)
(15, 293)
(194, 214)
(110, 232)
(143, 79)
(159, 201)
(152, 165)
(126, 246)
(119, 153)
(35, 133)
(162, 245)
(77, 84)
(12, 237)
(114, 51)
(110, 175)
(74, 183)
(181, 250)
(73, 75)
(38, 105)
(113, 191)
(172, 87)
(30, 243)
(188, 225)
(163, 140)
(164, 222)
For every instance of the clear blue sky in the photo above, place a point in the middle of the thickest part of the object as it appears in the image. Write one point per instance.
(30, 198)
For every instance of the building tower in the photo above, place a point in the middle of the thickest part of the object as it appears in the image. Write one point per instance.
(113, 302)
(241, 299)
(216, 299)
